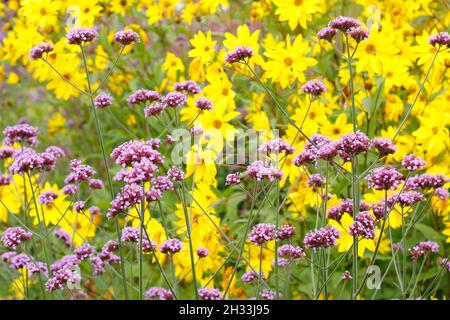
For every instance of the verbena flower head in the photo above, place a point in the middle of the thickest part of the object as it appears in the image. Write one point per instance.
(175, 174)
(209, 294)
(79, 206)
(288, 250)
(96, 184)
(442, 193)
(232, 179)
(314, 88)
(84, 252)
(47, 197)
(351, 144)
(197, 131)
(239, 54)
(69, 189)
(142, 96)
(204, 104)
(422, 248)
(126, 37)
(61, 278)
(68, 261)
(267, 294)
(162, 183)
(131, 234)
(358, 34)
(6, 153)
(440, 39)
(130, 195)
(5, 180)
(22, 133)
(345, 206)
(142, 171)
(131, 152)
(261, 169)
(12, 237)
(409, 198)
(363, 226)
(249, 276)
(158, 293)
(384, 179)
(261, 233)
(103, 100)
(26, 161)
(316, 181)
(202, 252)
(189, 87)
(154, 109)
(171, 246)
(80, 36)
(174, 99)
(277, 146)
(413, 163)
(323, 238)
(346, 276)
(55, 151)
(286, 231)
(384, 146)
(326, 34)
(321, 147)
(38, 51)
(79, 172)
(344, 24)
(20, 261)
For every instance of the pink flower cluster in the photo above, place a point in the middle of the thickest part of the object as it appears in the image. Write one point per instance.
(261, 169)
(323, 238)
(239, 54)
(12, 237)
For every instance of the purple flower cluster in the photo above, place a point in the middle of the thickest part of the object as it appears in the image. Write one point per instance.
(79, 206)
(239, 54)
(384, 146)
(158, 293)
(384, 179)
(103, 100)
(175, 174)
(204, 104)
(363, 226)
(346, 276)
(316, 181)
(345, 206)
(171, 246)
(38, 51)
(154, 109)
(408, 198)
(81, 35)
(323, 238)
(129, 195)
(61, 278)
(142, 96)
(261, 233)
(288, 250)
(202, 252)
(5, 180)
(174, 99)
(249, 276)
(321, 147)
(326, 33)
(426, 181)
(261, 169)
(12, 237)
(422, 248)
(126, 37)
(413, 163)
(84, 252)
(22, 133)
(132, 152)
(286, 231)
(440, 39)
(314, 88)
(96, 184)
(351, 144)
(189, 87)
(276, 146)
(209, 294)
(344, 24)
(79, 172)
(233, 178)
(47, 197)
(66, 262)
(358, 34)
(106, 256)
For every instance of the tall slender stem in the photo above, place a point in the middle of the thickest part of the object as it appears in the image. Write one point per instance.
(105, 161)
(416, 97)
